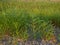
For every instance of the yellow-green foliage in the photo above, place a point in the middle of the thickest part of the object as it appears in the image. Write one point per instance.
(16, 18)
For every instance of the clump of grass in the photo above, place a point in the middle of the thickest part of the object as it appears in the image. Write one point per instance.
(24, 26)
(18, 19)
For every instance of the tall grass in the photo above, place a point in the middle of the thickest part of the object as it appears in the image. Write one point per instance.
(19, 18)
(25, 26)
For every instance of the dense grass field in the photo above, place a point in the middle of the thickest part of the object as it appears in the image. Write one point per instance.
(30, 20)
(49, 9)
